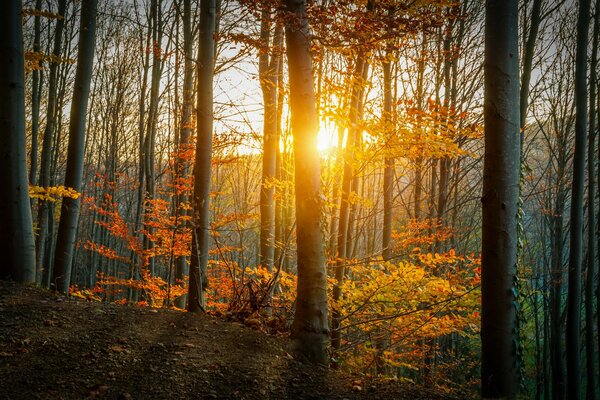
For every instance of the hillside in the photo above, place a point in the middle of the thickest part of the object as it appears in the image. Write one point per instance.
(55, 348)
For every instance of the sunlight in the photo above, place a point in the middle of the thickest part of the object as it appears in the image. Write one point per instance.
(327, 138)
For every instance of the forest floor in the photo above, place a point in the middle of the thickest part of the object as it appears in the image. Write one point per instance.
(52, 347)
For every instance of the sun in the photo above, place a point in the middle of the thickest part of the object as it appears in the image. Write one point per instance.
(327, 137)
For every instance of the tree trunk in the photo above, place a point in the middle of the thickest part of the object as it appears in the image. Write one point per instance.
(268, 76)
(576, 234)
(48, 141)
(343, 221)
(69, 216)
(150, 140)
(499, 360)
(280, 231)
(310, 327)
(183, 168)
(388, 170)
(591, 258)
(528, 52)
(16, 235)
(202, 167)
(36, 90)
(556, 342)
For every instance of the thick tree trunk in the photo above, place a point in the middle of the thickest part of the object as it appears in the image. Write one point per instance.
(202, 167)
(16, 235)
(310, 327)
(499, 362)
(69, 216)
(577, 188)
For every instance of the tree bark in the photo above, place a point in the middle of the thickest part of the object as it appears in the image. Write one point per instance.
(343, 221)
(310, 326)
(36, 90)
(388, 171)
(577, 188)
(150, 139)
(203, 158)
(528, 53)
(16, 235)
(69, 216)
(48, 141)
(590, 345)
(268, 76)
(183, 168)
(499, 361)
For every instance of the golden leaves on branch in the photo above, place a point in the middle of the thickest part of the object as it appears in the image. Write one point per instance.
(52, 193)
(41, 13)
(35, 59)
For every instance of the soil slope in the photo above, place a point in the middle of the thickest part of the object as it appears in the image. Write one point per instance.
(56, 348)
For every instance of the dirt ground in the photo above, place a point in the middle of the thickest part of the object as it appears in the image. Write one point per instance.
(56, 348)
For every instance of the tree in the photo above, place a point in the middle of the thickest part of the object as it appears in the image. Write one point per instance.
(499, 340)
(590, 345)
(69, 215)
(388, 172)
(310, 328)
(16, 237)
(48, 142)
(182, 168)
(151, 129)
(202, 166)
(268, 75)
(36, 88)
(576, 233)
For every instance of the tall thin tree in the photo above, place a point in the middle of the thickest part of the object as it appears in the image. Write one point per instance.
(181, 264)
(590, 345)
(69, 214)
(577, 188)
(48, 142)
(268, 68)
(499, 362)
(203, 158)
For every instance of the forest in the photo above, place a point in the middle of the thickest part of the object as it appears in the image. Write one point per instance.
(406, 189)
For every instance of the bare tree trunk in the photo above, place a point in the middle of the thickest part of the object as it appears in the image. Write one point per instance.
(69, 216)
(36, 90)
(591, 257)
(388, 171)
(342, 234)
(202, 167)
(268, 76)
(310, 327)
(16, 235)
(183, 168)
(499, 360)
(556, 342)
(280, 229)
(46, 158)
(528, 53)
(150, 140)
(576, 234)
